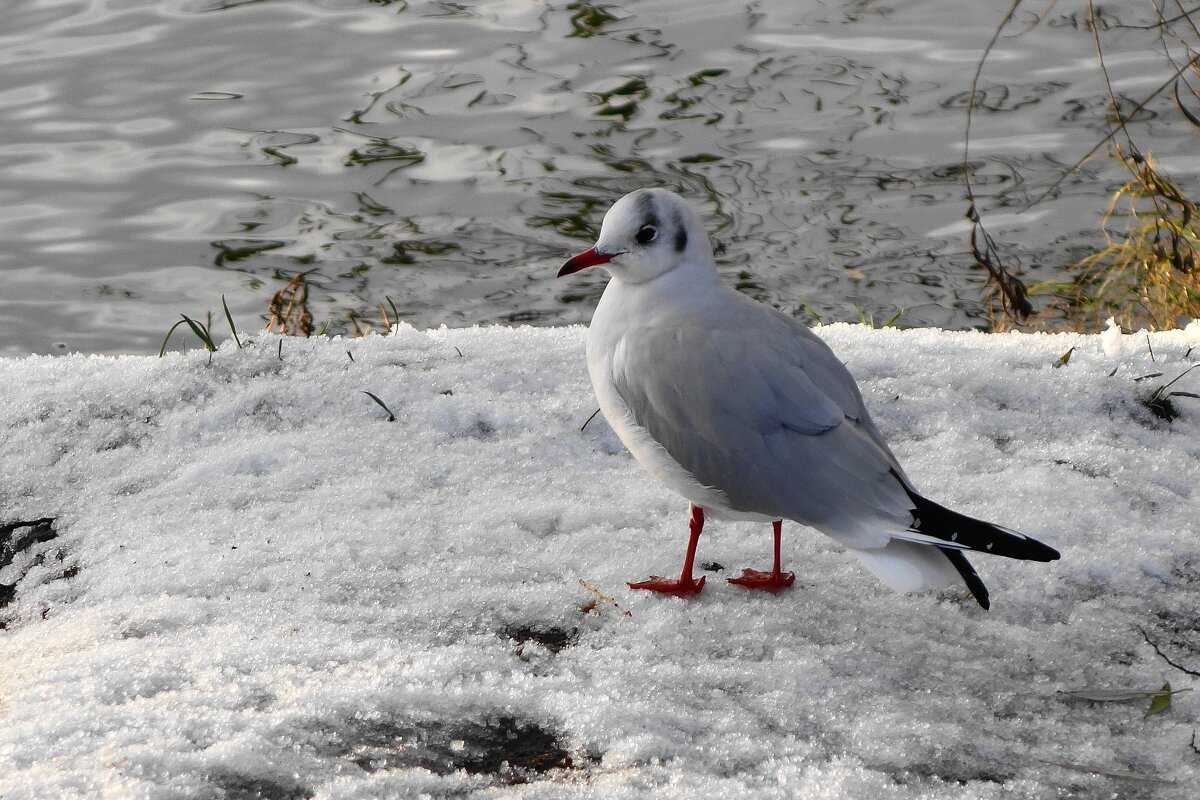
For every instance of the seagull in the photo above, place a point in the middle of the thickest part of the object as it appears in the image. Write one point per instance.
(748, 415)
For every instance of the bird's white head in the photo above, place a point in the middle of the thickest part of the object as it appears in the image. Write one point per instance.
(646, 234)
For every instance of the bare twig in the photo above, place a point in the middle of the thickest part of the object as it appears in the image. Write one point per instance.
(1162, 21)
(975, 90)
(1187, 15)
(1109, 136)
(589, 419)
(1166, 29)
(1107, 773)
(1014, 299)
(1164, 656)
(1095, 28)
(1116, 104)
(606, 598)
(1039, 18)
(1192, 118)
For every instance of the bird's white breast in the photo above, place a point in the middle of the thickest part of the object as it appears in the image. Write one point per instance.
(608, 342)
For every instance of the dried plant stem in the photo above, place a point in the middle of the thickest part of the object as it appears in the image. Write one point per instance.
(289, 309)
(1164, 656)
(1014, 300)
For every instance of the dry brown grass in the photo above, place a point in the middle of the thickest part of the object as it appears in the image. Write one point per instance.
(289, 309)
(388, 322)
(1148, 272)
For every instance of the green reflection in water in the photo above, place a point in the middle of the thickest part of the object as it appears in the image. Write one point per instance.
(399, 109)
(381, 150)
(231, 250)
(575, 220)
(588, 20)
(684, 100)
(622, 101)
(407, 252)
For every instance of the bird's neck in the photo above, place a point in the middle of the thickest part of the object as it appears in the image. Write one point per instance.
(687, 277)
(689, 285)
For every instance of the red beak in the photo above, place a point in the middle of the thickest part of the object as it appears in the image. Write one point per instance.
(588, 258)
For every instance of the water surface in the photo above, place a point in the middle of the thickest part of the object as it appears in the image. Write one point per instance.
(156, 154)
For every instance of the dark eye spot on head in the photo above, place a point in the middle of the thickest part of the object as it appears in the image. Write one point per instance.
(645, 204)
(680, 233)
(646, 234)
(646, 212)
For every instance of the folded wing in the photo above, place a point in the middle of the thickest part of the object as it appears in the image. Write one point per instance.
(787, 435)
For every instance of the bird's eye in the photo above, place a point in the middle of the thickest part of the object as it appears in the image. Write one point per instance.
(646, 234)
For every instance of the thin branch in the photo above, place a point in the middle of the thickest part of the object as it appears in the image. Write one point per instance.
(974, 91)
(1109, 136)
(1192, 118)
(1166, 30)
(1162, 22)
(606, 598)
(1038, 19)
(1164, 656)
(1014, 300)
(1187, 46)
(1134, 153)
(1112, 96)
(589, 419)
(1180, 375)
(1185, 14)
(1014, 297)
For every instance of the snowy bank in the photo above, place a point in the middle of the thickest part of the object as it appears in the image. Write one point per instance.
(255, 585)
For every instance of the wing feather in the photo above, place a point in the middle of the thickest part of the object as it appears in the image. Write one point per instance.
(786, 434)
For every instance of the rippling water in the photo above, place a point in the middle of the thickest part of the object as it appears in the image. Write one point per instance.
(156, 154)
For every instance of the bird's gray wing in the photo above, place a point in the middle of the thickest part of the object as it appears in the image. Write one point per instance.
(782, 431)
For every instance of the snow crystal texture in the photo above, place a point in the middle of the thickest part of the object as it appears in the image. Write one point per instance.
(256, 585)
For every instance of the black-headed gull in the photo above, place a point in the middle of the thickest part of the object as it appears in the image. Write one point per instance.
(748, 415)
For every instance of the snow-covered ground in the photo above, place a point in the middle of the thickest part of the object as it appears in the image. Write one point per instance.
(261, 587)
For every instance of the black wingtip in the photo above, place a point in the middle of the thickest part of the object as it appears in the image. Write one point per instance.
(1032, 549)
(970, 577)
(962, 531)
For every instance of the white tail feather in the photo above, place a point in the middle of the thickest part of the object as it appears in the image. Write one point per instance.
(909, 567)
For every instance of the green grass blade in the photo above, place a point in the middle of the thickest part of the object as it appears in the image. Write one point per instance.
(229, 319)
(813, 313)
(383, 405)
(163, 350)
(201, 333)
(395, 313)
(1180, 375)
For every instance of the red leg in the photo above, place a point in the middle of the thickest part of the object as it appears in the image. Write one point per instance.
(773, 581)
(686, 585)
